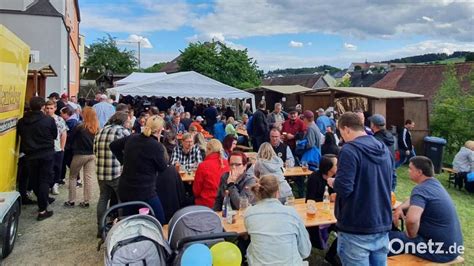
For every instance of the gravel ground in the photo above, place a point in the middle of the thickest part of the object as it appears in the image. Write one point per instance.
(67, 238)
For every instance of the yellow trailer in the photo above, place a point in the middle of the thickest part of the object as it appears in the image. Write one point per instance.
(14, 57)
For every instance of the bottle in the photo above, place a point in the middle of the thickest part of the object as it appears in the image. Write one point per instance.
(326, 198)
(226, 204)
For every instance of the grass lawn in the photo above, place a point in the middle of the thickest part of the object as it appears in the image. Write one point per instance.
(463, 201)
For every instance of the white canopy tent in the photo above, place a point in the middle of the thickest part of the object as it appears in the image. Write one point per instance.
(183, 84)
(138, 77)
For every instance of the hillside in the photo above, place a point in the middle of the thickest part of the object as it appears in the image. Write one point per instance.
(433, 58)
(304, 70)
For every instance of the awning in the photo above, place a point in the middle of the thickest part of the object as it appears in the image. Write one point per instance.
(138, 77)
(44, 69)
(375, 93)
(183, 84)
(283, 89)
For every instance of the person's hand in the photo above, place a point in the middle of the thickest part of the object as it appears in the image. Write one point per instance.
(232, 177)
(331, 182)
(397, 214)
(290, 136)
(407, 152)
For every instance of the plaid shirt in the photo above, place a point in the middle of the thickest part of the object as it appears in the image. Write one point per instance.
(108, 167)
(186, 160)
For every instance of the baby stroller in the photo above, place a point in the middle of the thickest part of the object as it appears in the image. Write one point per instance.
(134, 240)
(195, 224)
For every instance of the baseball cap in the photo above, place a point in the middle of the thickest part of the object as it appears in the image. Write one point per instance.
(308, 114)
(199, 118)
(377, 119)
(292, 110)
(64, 96)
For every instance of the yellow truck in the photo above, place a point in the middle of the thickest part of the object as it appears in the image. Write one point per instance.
(14, 58)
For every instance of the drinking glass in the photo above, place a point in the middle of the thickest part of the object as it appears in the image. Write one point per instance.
(243, 205)
(290, 201)
(304, 166)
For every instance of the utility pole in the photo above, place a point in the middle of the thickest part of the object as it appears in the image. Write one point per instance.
(139, 44)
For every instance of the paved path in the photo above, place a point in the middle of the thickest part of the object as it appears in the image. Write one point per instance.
(67, 238)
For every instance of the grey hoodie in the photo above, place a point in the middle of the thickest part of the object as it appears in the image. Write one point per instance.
(274, 167)
(464, 160)
(239, 189)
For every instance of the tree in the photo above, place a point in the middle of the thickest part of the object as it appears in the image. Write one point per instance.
(345, 83)
(453, 112)
(154, 68)
(470, 57)
(105, 55)
(216, 60)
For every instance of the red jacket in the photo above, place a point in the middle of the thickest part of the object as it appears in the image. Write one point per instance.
(207, 179)
(293, 128)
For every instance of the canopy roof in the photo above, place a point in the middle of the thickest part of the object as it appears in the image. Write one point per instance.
(375, 92)
(43, 68)
(182, 84)
(138, 77)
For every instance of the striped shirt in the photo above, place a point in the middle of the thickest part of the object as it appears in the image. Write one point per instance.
(107, 166)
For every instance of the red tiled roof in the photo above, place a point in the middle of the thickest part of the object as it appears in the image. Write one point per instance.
(423, 79)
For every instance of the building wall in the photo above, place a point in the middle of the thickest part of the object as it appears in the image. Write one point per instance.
(82, 51)
(46, 35)
(72, 22)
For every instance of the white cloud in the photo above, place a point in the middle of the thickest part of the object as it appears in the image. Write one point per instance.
(379, 19)
(214, 36)
(350, 47)
(119, 17)
(133, 40)
(295, 44)
(427, 19)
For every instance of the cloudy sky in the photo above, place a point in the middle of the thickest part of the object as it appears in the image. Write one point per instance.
(286, 33)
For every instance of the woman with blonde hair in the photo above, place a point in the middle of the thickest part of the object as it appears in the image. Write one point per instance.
(200, 141)
(229, 128)
(270, 224)
(208, 174)
(83, 156)
(142, 156)
(268, 163)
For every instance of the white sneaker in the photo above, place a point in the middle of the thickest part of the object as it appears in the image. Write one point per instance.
(55, 189)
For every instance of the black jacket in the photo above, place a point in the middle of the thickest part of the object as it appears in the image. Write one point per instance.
(404, 140)
(260, 123)
(82, 141)
(386, 138)
(142, 157)
(38, 132)
(170, 189)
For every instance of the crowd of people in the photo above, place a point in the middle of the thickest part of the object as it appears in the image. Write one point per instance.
(138, 153)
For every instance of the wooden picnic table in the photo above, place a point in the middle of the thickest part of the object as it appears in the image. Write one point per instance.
(296, 171)
(322, 217)
(289, 172)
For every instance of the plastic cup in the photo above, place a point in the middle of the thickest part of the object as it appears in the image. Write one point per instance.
(144, 211)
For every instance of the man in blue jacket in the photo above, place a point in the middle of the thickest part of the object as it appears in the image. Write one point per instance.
(363, 204)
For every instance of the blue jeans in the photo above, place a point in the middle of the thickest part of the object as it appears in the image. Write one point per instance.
(425, 254)
(363, 249)
(404, 158)
(155, 204)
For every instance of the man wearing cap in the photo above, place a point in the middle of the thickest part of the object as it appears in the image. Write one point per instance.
(104, 110)
(313, 134)
(377, 125)
(197, 123)
(293, 128)
(323, 121)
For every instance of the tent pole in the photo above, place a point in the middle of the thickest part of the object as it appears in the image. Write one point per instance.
(253, 104)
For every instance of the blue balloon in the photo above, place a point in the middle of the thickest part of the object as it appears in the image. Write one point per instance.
(197, 255)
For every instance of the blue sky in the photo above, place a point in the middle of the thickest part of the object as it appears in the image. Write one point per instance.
(285, 33)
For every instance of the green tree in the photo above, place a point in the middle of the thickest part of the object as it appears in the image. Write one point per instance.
(216, 60)
(345, 83)
(154, 68)
(470, 57)
(105, 55)
(453, 112)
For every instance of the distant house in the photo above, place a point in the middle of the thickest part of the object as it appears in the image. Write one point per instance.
(172, 66)
(51, 29)
(423, 79)
(373, 65)
(341, 75)
(365, 79)
(312, 81)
